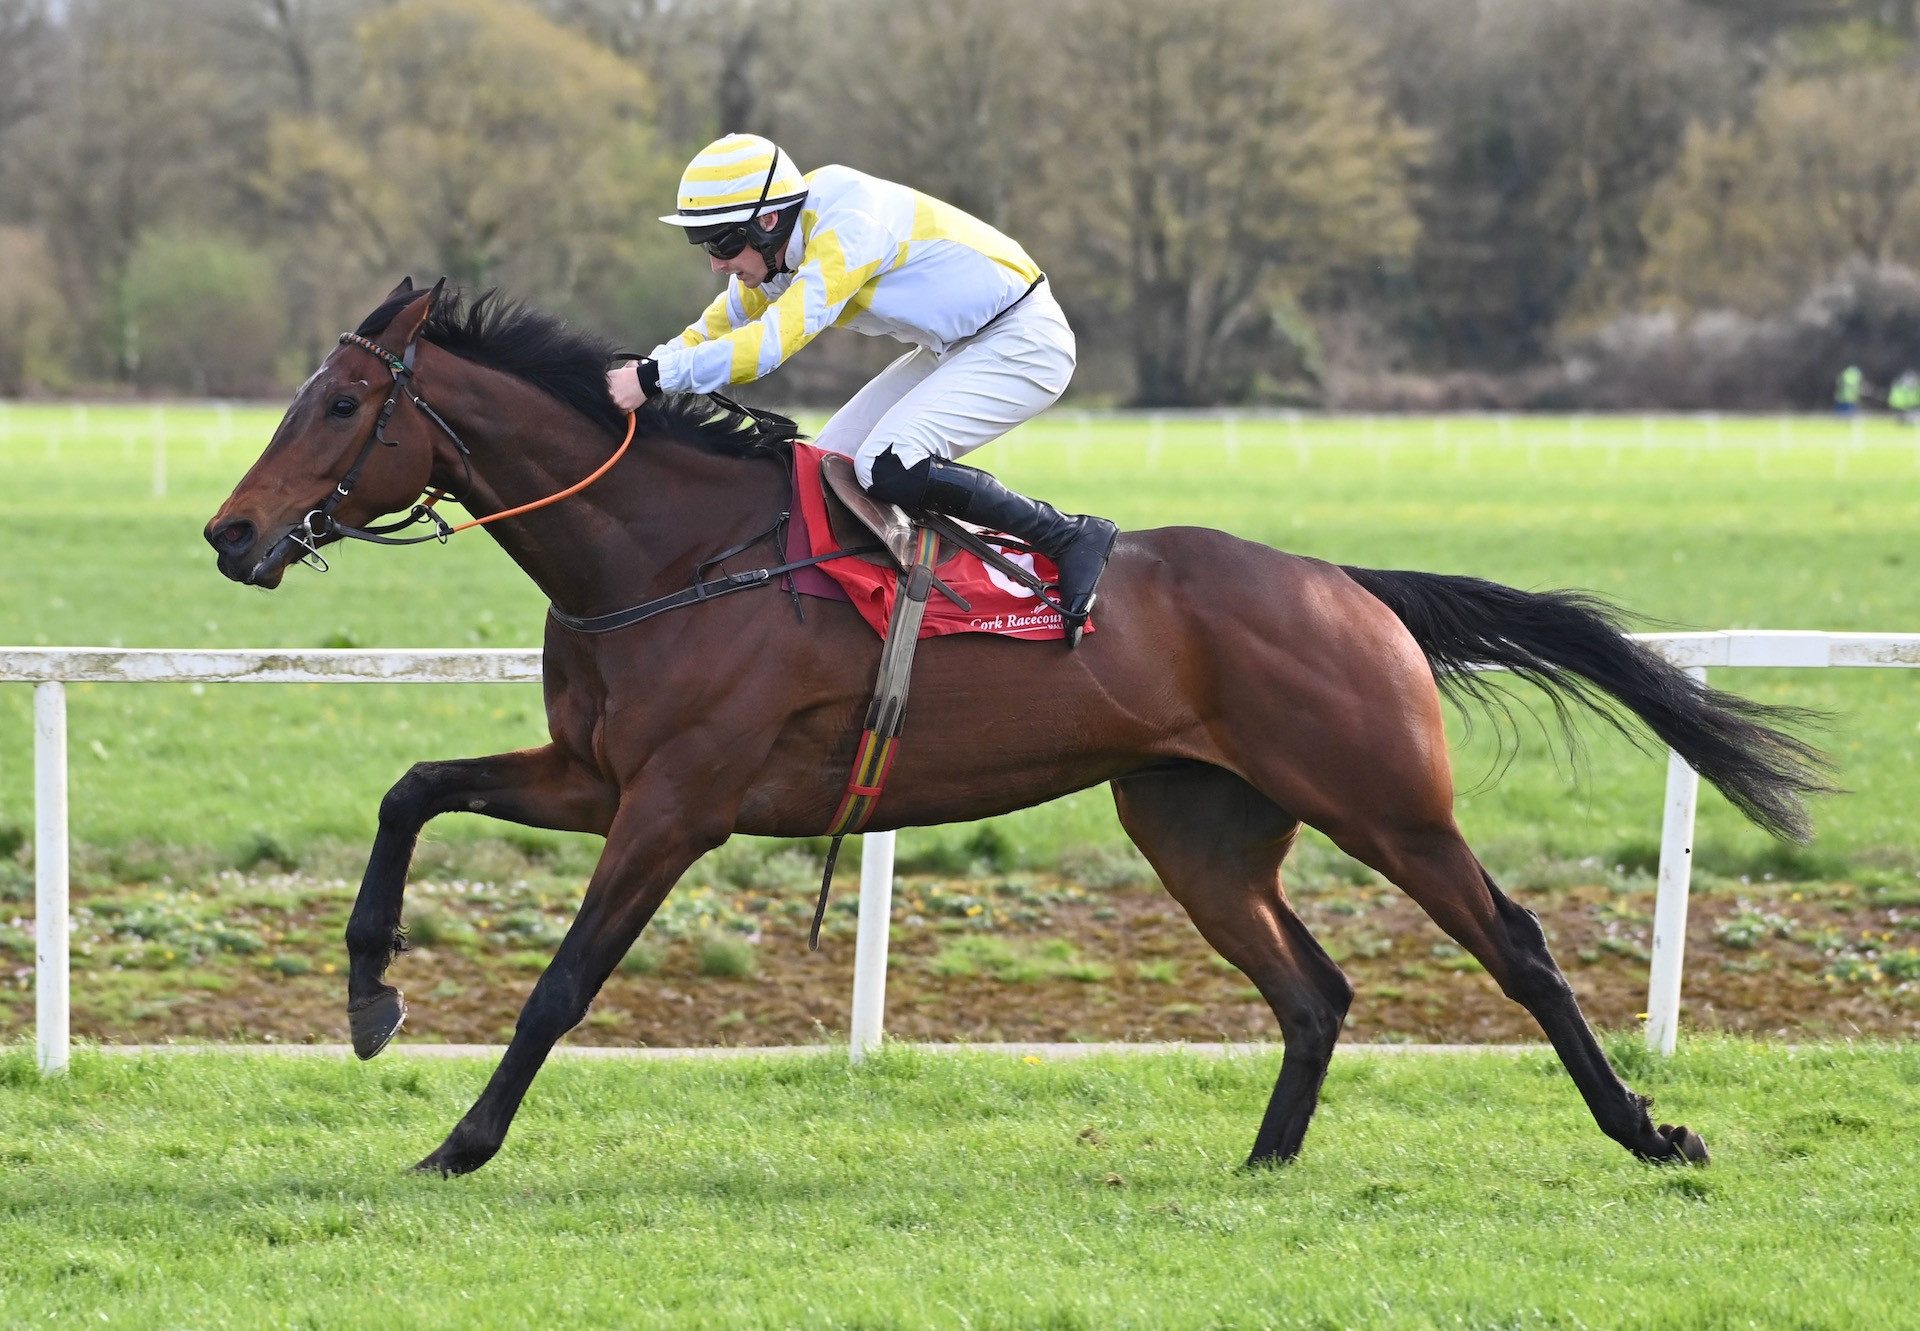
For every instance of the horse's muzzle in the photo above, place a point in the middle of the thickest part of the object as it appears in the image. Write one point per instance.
(235, 540)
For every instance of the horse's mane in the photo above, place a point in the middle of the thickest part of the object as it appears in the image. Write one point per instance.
(570, 365)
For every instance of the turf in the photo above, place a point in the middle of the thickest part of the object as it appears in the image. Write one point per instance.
(964, 1191)
(1801, 523)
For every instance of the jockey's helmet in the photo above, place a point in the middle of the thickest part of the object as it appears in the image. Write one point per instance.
(732, 181)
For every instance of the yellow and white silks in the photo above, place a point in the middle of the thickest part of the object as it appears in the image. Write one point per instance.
(880, 258)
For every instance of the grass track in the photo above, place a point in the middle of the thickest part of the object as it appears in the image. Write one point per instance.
(969, 1191)
(1770, 523)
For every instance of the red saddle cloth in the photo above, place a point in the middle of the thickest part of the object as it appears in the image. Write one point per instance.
(998, 604)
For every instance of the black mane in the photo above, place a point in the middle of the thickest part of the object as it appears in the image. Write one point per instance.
(570, 364)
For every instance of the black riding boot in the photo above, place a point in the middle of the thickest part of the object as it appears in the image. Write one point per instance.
(1078, 545)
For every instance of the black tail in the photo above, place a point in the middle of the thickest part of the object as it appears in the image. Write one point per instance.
(1571, 644)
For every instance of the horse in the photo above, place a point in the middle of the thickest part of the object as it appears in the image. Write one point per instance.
(1231, 694)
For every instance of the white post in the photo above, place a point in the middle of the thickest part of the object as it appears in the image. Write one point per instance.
(159, 455)
(1670, 903)
(50, 873)
(870, 942)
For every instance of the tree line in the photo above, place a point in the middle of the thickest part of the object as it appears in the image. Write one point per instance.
(1372, 203)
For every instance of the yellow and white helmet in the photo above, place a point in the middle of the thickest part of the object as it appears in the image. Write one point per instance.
(733, 179)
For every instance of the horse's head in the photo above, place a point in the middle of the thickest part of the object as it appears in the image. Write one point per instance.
(345, 453)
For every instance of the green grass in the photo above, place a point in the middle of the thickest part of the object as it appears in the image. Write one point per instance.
(1758, 523)
(968, 1191)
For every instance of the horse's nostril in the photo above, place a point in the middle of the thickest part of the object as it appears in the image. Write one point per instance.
(232, 538)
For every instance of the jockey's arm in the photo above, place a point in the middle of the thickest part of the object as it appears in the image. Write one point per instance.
(717, 320)
(839, 261)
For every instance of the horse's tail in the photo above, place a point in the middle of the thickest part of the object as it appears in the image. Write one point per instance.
(1571, 645)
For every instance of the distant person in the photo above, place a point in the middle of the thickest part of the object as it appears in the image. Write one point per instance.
(991, 347)
(1848, 389)
(1904, 397)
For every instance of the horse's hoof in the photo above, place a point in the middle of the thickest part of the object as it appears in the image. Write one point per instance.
(1686, 1143)
(375, 1019)
(450, 1160)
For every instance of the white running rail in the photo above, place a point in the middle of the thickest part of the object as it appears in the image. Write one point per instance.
(52, 668)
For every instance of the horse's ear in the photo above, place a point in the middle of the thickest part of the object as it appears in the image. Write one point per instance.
(406, 325)
(406, 285)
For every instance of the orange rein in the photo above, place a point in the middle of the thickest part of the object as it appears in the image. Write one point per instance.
(567, 493)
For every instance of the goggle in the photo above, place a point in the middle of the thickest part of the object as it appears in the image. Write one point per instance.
(728, 243)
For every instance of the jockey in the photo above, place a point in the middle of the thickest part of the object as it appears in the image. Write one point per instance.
(991, 347)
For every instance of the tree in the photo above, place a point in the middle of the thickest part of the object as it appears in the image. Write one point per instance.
(716, 66)
(126, 142)
(1204, 168)
(203, 314)
(1552, 122)
(26, 40)
(36, 331)
(486, 143)
(949, 111)
(1757, 213)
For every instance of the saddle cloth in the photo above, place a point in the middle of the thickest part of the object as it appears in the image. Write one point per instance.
(998, 604)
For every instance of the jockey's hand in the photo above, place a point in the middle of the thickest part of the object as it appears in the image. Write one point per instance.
(631, 384)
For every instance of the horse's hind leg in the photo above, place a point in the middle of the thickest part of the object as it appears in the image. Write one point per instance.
(541, 787)
(1217, 844)
(1434, 866)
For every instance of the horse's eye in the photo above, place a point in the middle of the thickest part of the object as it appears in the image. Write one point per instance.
(343, 407)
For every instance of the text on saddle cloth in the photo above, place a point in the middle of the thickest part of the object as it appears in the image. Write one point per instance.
(995, 602)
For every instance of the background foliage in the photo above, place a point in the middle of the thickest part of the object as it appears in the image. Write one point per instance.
(1373, 203)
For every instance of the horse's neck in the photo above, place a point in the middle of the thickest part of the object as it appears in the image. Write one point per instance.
(637, 532)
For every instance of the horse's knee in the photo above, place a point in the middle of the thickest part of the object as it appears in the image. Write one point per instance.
(409, 801)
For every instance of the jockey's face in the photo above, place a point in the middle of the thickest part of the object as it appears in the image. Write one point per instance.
(747, 265)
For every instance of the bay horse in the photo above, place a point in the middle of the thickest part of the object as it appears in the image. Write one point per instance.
(1232, 693)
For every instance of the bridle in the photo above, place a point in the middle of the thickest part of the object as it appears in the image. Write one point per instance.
(320, 526)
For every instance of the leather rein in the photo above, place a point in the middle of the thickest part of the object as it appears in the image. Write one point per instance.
(320, 525)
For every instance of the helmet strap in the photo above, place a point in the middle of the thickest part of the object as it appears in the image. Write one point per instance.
(771, 245)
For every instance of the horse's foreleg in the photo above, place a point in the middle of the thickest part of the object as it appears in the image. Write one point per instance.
(541, 787)
(649, 846)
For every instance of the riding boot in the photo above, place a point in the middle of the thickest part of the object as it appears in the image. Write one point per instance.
(1078, 545)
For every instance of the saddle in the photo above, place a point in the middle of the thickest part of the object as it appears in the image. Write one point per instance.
(852, 512)
(853, 515)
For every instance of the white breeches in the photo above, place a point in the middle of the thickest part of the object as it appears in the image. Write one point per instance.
(926, 405)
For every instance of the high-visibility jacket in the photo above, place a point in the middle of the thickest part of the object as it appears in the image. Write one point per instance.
(869, 255)
(1846, 391)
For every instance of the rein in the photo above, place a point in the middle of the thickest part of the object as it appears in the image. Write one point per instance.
(320, 525)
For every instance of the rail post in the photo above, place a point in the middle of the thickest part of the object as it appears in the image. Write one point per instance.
(50, 874)
(1670, 901)
(870, 942)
